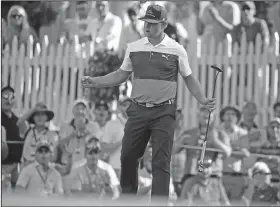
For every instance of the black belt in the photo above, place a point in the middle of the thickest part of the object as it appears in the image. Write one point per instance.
(150, 105)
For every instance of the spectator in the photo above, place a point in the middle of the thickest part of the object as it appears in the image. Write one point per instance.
(131, 32)
(113, 134)
(259, 190)
(114, 180)
(90, 178)
(81, 24)
(232, 180)
(36, 131)
(268, 136)
(269, 145)
(175, 29)
(216, 20)
(276, 109)
(249, 113)
(102, 117)
(40, 176)
(9, 123)
(73, 134)
(216, 138)
(106, 29)
(204, 190)
(250, 25)
(17, 25)
(145, 177)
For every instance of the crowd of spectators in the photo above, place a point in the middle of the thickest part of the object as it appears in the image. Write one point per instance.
(83, 156)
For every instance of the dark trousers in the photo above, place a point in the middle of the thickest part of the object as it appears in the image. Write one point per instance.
(143, 123)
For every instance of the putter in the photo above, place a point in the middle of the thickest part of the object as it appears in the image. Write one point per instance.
(200, 162)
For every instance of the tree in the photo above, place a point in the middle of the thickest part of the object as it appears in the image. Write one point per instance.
(102, 63)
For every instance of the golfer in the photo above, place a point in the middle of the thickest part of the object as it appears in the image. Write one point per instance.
(155, 61)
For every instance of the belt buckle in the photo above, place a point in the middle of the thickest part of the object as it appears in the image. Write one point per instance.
(149, 105)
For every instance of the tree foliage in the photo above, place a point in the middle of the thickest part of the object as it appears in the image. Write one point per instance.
(100, 64)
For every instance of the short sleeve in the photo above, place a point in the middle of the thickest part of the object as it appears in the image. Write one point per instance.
(184, 66)
(236, 14)
(126, 64)
(114, 181)
(23, 178)
(3, 134)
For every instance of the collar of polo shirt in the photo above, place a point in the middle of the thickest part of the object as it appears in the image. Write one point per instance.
(164, 42)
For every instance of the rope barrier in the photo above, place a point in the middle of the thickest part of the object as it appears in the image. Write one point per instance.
(234, 152)
(199, 148)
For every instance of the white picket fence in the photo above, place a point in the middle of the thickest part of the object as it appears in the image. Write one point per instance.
(51, 74)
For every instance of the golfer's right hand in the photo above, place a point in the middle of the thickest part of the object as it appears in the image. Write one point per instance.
(87, 82)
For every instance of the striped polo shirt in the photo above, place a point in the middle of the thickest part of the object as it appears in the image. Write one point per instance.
(155, 69)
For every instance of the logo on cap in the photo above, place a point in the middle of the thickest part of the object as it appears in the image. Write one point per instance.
(150, 13)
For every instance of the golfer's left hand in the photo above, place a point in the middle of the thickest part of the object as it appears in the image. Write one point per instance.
(209, 103)
(87, 82)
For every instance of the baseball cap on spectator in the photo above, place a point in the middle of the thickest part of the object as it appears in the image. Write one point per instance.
(44, 144)
(250, 104)
(207, 162)
(231, 108)
(93, 143)
(277, 104)
(81, 101)
(275, 120)
(81, 2)
(8, 93)
(259, 168)
(248, 5)
(7, 88)
(40, 107)
(102, 103)
(155, 14)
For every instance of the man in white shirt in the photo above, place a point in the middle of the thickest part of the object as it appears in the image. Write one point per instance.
(131, 32)
(81, 24)
(106, 29)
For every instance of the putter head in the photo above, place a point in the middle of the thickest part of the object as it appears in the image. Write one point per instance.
(204, 164)
(216, 68)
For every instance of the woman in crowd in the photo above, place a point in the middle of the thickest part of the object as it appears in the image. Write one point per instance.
(35, 131)
(17, 26)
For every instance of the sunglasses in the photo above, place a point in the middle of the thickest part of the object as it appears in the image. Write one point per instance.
(8, 96)
(16, 16)
(261, 173)
(43, 150)
(244, 8)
